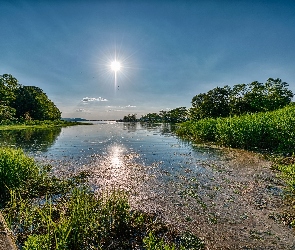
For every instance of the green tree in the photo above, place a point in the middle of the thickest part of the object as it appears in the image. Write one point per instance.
(6, 113)
(32, 103)
(278, 94)
(151, 117)
(214, 103)
(237, 103)
(177, 115)
(255, 97)
(8, 86)
(242, 98)
(130, 118)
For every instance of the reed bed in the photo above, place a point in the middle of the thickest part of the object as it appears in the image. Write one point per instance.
(271, 131)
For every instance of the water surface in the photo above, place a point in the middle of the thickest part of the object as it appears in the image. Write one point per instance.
(152, 143)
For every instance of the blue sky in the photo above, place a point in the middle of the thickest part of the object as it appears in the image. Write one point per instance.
(169, 50)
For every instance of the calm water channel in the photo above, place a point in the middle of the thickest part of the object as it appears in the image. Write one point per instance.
(78, 144)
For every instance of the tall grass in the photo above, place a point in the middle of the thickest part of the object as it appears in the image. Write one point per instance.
(16, 169)
(273, 131)
(83, 220)
(21, 173)
(78, 221)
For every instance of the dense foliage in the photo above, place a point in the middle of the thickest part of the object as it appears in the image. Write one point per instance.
(273, 130)
(240, 99)
(226, 101)
(18, 102)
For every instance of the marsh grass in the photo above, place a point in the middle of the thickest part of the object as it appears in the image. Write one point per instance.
(83, 220)
(48, 213)
(21, 173)
(268, 131)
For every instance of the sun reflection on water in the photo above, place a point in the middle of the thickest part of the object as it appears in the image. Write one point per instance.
(116, 153)
(116, 170)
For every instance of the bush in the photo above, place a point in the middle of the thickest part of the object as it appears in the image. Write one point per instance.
(16, 169)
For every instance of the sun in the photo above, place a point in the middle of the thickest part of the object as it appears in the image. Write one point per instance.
(115, 66)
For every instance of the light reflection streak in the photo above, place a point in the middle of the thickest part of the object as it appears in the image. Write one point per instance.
(116, 170)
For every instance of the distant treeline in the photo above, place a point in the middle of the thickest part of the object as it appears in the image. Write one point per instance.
(171, 116)
(24, 103)
(226, 101)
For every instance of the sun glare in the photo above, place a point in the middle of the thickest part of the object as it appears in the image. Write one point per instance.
(115, 66)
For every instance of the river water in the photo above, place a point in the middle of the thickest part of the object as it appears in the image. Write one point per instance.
(78, 145)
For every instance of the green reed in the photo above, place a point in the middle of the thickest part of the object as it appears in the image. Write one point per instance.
(273, 131)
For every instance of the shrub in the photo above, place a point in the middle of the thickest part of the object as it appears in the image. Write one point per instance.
(16, 169)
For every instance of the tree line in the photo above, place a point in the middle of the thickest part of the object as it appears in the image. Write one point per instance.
(21, 103)
(227, 101)
(171, 116)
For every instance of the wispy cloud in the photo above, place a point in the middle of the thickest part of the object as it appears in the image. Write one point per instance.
(93, 99)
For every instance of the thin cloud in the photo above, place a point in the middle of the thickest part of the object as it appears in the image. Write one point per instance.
(93, 99)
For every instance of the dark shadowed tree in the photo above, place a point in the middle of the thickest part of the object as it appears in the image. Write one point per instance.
(177, 115)
(151, 117)
(278, 94)
(32, 103)
(214, 103)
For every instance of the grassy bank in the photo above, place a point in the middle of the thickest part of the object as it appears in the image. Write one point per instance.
(38, 124)
(272, 131)
(48, 213)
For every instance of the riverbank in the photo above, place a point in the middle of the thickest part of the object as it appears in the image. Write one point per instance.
(40, 125)
(6, 238)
